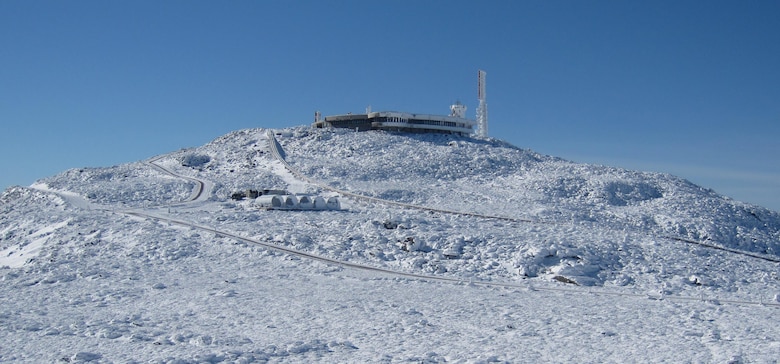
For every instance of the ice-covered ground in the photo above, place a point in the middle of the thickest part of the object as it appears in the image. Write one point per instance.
(447, 249)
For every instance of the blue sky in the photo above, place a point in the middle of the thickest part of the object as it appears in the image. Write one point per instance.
(690, 88)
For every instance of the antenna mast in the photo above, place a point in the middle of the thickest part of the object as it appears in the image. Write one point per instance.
(482, 114)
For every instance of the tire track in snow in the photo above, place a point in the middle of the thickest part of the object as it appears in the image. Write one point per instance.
(276, 152)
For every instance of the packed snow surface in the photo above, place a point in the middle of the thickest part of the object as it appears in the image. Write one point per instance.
(445, 249)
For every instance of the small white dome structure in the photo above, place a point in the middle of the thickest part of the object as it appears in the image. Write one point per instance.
(333, 203)
(290, 202)
(319, 203)
(305, 203)
(269, 201)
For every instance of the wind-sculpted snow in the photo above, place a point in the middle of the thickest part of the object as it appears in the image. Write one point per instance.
(385, 156)
(492, 177)
(123, 264)
(234, 162)
(132, 184)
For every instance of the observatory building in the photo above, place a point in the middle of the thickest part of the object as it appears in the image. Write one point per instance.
(454, 123)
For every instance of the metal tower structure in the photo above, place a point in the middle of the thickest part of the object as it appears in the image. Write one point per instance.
(482, 114)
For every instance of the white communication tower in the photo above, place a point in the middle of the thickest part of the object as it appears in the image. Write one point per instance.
(482, 114)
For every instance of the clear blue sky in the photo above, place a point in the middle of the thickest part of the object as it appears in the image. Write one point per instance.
(686, 87)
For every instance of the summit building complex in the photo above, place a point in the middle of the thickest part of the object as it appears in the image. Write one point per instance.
(454, 123)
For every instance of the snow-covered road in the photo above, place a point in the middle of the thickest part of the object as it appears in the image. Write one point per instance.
(200, 192)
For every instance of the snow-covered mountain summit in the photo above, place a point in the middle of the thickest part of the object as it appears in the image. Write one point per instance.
(494, 177)
(156, 256)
